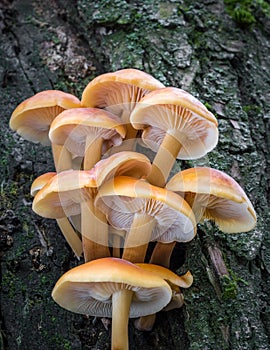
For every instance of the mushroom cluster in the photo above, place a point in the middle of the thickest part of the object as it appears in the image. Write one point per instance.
(110, 201)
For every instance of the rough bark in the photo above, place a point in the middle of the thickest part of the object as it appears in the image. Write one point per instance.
(194, 45)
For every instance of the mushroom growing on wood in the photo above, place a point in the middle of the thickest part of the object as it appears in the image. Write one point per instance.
(146, 213)
(175, 125)
(115, 288)
(86, 131)
(212, 195)
(33, 117)
(118, 92)
(65, 226)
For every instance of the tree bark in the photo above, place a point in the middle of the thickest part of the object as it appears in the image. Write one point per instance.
(221, 58)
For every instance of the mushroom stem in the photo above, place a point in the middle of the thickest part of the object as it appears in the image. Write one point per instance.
(164, 160)
(93, 149)
(62, 158)
(94, 232)
(161, 254)
(140, 231)
(71, 236)
(121, 301)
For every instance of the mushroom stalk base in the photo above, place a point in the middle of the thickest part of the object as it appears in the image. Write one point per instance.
(121, 301)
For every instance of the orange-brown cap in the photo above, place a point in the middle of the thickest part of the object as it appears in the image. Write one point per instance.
(176, 112)
(32, 118)
(73, 126)
(125, 163)
(63, 194)
(119, 90)
(215, 195)
(88, 288)
(123, 197)
(40, 182)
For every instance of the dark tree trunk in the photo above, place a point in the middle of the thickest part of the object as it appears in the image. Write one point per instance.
(219, 56)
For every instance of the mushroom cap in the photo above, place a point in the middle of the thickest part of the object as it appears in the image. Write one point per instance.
(119, 90)
(63, 194)
(32, 118)
(73, 126)
(184, 281)
(88, 288)
(175, 111)
(40, 182)
(214, 195)
(123, 197)
(125, 163)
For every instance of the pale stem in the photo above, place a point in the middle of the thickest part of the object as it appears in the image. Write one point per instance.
(164, 161)
(161, 254)
(138, 237)
(71, 236)
(121, 301)
(92, 154)
(145, 323)
(62, 158)
(94, 229)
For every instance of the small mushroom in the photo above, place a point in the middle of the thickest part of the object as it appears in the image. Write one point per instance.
(32, 119)
(65, 226)
(86, 131)
(118, 92)
(175, 125)
(212, 195)
(146, 213)
(115, 288)
(216, 196)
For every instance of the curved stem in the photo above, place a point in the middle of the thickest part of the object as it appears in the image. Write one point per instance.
(62, 158)
(161, 254)
(121, 301)
(92, 153)
(164, 160)
(138, 237)
(71, 236)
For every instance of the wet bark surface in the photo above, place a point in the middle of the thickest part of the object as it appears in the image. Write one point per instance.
(198, 47)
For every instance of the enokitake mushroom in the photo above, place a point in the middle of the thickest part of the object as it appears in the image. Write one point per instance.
(118, 92)
(176, 125)
(112, 287)
(65, 226)
(212, 195)
(86, 132)
(32, 119)
(146, 213)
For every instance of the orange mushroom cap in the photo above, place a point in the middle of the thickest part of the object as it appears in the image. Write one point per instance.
(215, 195)
(32, 118)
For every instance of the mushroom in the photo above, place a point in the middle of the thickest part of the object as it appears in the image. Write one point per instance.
(115, 288)
(175, 125)
(32, 119)
(216, 196)
(118, 92)
(65, 226)
(213, 195)
(85, 131)
(64, 196)
(146, 213)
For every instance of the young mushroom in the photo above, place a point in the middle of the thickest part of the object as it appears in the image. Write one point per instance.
(64, 224)
(32, 119)
(146, 213)
(115, 288)
(86, 132)
(175, 125)
(118, 92)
